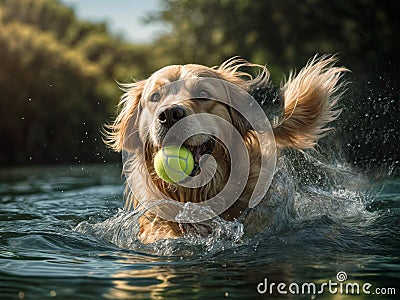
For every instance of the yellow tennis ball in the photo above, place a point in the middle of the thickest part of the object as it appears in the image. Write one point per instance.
(173, 164)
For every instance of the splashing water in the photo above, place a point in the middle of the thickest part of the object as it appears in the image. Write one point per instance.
(317, 219)
(304, 188)
(122, 230)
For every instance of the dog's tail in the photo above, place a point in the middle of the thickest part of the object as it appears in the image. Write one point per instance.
(310, 98)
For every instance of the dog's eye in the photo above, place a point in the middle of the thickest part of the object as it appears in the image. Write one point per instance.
(203, 94)
(155, 97)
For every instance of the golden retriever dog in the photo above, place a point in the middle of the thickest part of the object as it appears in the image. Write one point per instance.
(147, 112)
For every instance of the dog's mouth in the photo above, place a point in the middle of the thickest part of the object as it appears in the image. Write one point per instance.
(198, 151)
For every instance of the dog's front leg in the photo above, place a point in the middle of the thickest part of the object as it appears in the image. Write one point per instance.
(153, 228)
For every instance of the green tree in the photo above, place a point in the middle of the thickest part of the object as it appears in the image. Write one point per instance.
(283, 34)
(58, 80)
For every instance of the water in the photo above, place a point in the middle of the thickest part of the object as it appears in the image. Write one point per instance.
(64, 235)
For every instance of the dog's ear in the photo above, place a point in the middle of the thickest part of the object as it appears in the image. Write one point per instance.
(123, 132)
(237, 99)
(310, 98)
(239, 121)
(242, 83)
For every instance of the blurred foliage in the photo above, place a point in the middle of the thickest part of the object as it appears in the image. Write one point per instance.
(58, 80)
(283, 34)
(58, 73)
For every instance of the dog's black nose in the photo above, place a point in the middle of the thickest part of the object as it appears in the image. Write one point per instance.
(170, 115)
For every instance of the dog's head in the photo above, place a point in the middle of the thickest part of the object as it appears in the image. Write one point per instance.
(151, 109)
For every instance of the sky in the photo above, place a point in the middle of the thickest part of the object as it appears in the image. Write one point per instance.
(122, 16)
